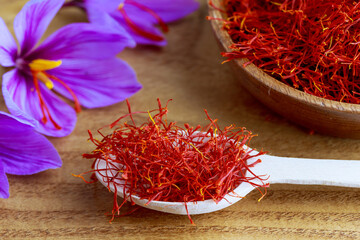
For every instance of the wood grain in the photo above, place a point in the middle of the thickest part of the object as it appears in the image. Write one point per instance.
(55, 205)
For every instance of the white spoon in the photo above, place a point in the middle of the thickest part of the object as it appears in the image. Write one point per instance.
(344, 173)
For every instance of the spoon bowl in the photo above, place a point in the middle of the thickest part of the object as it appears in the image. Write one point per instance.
(343, 173)
(321, 115)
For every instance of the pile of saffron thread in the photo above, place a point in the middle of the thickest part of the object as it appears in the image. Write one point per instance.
(310, 45)
(160, 161)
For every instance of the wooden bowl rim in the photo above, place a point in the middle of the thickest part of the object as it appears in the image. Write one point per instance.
(266, 79)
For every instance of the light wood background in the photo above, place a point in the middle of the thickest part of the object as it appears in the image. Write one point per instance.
(56, 205)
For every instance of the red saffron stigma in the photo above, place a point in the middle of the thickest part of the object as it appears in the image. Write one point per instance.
(162, 24)
(161, 161)
(138, 29)
(44, 109)
(75, 99)
(310, 45)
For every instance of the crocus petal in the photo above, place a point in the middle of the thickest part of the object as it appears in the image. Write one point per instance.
(104, 5)
(102, 17)
(8, 47)
(82, 40)
(100, 13)
(24, 119)
(24, 151)
(33, 20)
(95, 83)
(145, 25)
(169, 10)
(22, 101)
(4, 184)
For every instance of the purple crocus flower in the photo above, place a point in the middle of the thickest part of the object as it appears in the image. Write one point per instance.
(77, 62)
(140, 18)
(23, 151)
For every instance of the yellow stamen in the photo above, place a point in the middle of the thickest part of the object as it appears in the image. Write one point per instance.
(272, 27)
(242, 23)
(275, 3)
(331, 40)
(43, 78)
(39, 65)
(197, 150)
(317, 87)
(121, 5)
(153, 121)
(38, 68)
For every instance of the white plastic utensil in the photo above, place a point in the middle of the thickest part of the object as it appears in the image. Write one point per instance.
(344, 173)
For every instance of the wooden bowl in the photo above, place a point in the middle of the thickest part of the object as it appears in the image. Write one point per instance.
(320, 115)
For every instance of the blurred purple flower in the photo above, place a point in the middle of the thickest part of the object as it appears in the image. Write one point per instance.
(77, 62)
(23, 151)
(139, 17)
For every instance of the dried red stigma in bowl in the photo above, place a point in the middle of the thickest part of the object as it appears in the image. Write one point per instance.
(310, 45)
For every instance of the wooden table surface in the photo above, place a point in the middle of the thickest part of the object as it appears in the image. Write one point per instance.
(56, 205)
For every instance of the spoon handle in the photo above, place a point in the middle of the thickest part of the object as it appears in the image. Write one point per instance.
(345, 173)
